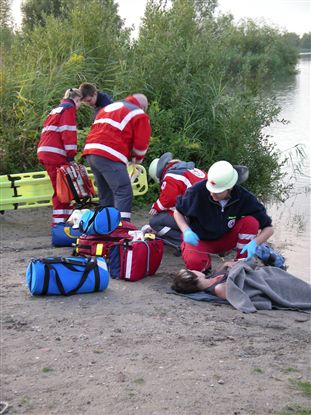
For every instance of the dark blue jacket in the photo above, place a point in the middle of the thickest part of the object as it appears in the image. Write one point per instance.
(103, 99)
(209, 220)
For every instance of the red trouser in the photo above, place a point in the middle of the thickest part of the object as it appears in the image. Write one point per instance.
(198, 258)
(61, 211)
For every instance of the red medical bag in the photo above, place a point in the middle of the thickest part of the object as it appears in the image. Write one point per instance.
(73, 183)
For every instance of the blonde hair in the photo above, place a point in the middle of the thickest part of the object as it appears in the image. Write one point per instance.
(72, 93)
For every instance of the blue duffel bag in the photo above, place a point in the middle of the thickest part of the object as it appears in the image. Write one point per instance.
(66, 276)
(100, 221)
(63, 234)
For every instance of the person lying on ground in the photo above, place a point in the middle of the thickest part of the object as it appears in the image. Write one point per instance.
(188, 281)
(248, 286)
(217, 215)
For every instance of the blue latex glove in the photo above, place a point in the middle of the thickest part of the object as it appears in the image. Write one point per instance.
(250, 248)
(191, 237)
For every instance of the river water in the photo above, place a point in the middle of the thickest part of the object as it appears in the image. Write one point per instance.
(291, 219)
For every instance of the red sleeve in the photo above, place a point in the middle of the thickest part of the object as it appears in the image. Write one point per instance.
(170, 190)
(141, 137)
(68, 127)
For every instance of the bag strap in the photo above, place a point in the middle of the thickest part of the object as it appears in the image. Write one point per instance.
(148, 257)
(90, 265)
(100, 209)
(72, 188)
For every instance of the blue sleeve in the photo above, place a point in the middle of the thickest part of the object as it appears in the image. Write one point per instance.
(184, 203)
(103, 99)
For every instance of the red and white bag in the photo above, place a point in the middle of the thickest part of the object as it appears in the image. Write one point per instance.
(134, 260)
(73, 183)
(99, 245)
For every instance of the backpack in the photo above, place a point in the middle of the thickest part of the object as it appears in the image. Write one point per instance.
(73, 183)
(270, 257)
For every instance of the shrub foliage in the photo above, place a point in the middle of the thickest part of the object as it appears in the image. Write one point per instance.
(204, 77)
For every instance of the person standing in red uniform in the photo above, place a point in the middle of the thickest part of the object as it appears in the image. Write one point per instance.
(175, 177)
(119, 135)
(58, 145)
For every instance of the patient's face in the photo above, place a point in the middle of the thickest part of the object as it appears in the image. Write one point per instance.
(203, 282)
(201, 279)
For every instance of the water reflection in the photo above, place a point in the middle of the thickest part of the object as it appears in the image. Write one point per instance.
(291, 219)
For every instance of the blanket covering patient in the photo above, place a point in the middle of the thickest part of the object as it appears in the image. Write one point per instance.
(247, 286)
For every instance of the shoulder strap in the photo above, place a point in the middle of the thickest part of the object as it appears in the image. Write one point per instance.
(90, 265)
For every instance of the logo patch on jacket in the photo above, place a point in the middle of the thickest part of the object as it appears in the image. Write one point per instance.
(231, 223)
(198, 173)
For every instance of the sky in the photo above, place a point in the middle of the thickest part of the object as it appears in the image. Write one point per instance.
(291, 15)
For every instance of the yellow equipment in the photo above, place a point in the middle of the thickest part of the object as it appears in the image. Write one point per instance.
(30, 190)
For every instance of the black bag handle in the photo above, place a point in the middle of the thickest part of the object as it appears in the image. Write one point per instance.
(72, 188)
(91, 264)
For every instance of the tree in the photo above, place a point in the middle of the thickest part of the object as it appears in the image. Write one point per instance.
(5, 13)
(305, 42)
(35, 11)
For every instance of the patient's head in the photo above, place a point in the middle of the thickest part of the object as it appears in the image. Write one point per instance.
(187, 281)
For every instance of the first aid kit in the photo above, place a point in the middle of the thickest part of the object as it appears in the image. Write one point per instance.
(134, 260)
(99, 245)
(66, 275)
(73, 183)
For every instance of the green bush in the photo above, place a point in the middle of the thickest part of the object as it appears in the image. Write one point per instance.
(203, 76)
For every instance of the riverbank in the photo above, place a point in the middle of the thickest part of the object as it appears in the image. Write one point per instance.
(135, 349)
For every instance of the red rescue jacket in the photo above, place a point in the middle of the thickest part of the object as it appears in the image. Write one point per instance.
(120, 132)
(58, 138)
(176, 180)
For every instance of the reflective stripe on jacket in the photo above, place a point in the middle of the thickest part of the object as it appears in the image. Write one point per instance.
(58, 138)
(120, 132)
(175, 183)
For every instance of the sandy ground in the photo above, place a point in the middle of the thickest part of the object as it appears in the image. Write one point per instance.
(134, 349)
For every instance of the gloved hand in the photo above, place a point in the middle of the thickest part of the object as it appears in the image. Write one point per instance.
(69, 159)
(250, 248)
(152, 212)
(191, 237)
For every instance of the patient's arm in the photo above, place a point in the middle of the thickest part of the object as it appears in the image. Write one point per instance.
(221, 290)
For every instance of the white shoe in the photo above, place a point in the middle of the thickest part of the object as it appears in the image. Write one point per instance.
(147, 229)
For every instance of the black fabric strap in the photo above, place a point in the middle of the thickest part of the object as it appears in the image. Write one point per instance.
(96, 279)
(72, 188)
(109, 220)
(90, 265)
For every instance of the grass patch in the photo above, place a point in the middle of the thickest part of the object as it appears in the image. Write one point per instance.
(258, 370)
(47, 369)
(295, 410)
(139, 381)
(291, 369)
(302, 386)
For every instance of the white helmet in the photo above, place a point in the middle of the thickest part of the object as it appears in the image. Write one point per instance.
(153, 170)
(158, 165)
(221, 176)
